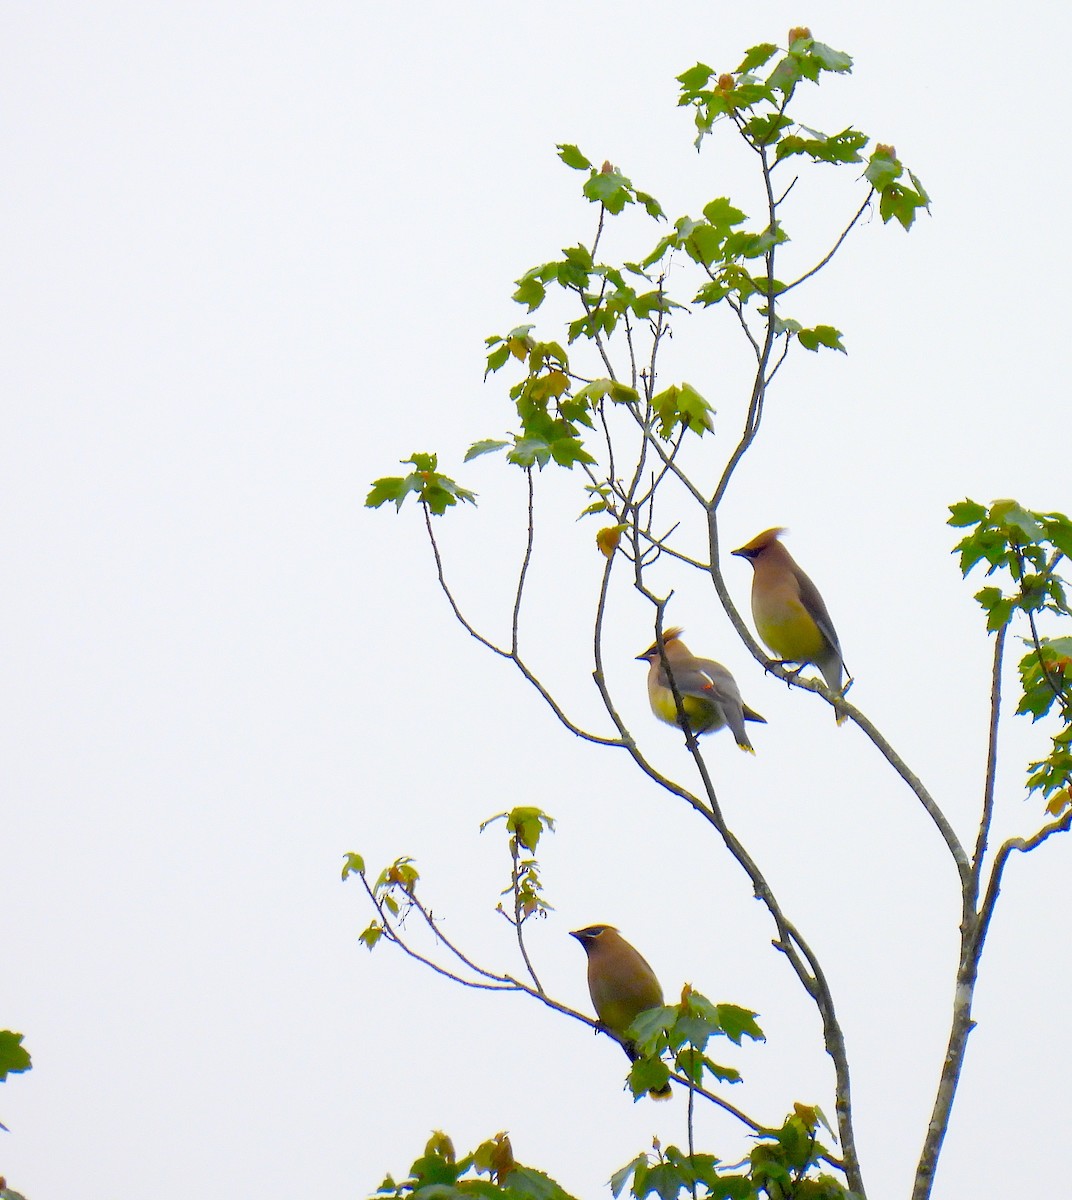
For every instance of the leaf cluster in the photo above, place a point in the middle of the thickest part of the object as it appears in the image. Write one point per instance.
(558, 405)
(438, 1174)
(525, 826)
(785, 1164)
(395, 890)
(1028, 548)
(438, 492)
(683, 1031)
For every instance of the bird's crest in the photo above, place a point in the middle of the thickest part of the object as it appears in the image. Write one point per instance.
(590, 932)
(762, 540)
(669, 635)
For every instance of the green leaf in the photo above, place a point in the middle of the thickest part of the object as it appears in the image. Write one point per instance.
(757, 57)
(648, 1028)
(526, 1183)
(620, 393)
(669, 242)
(967, 512)
(712, 293)
(902, 203)
(831, 60)
(821, 335)
(622, 1176)
(695, 77)
(883, 168)
(843, 147)
(764, 129)
(13, 1058)
(488, 446)
(651, 206)
(722, 214)
(738, 1023)
(572, 157)
(646, 1075)
(372, 934)
(609, 188)
(353, 864)
(704, 244)
(497, 358)
(785, 76)
(682, 404)
(392, 487)
(569, 450)
(525, 823)
(721, 1073)
(530, 291)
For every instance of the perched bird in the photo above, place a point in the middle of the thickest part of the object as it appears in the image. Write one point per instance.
(789, 613)
(621, 984)
(709, 693)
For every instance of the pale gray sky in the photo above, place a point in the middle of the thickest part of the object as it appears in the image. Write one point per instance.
(251, 254)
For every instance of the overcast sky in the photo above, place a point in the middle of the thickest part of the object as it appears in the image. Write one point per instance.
(251, 252)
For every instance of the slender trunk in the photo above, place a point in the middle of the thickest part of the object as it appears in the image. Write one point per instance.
(962, 1025)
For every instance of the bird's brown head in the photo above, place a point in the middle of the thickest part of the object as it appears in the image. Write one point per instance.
(762, 541)
(652, 652)
(590, 936)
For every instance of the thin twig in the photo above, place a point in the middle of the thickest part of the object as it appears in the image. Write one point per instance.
(530, 534)
(991, 767)
(519, 919)
(393, 936)
(507, 654)
(837, 246)
(1023, 846)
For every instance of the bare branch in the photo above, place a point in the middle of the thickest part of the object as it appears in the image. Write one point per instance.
(508, 654)
(972, 893)
(1024, 846)
(837, 246)
(530, 533)
(519, 917)
(391, 933)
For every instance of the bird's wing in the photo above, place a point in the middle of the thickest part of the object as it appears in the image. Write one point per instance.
(816, 609)
(709, 679)
(721, 689)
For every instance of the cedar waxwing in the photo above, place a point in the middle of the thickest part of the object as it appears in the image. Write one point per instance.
(621, 984)
(709, 693)
(789, 613)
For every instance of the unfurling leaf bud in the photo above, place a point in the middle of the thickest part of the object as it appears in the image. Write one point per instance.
(798, 32)
(725, 83)
(607, 168)
(887, 151)
(440, 1146)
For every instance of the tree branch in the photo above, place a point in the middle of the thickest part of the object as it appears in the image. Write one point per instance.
(837, 246)
(511, 655)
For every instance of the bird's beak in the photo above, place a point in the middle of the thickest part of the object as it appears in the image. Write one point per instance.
(742, 553)
(576, 933)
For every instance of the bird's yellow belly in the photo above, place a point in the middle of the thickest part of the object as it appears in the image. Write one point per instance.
(702, 716)
(790, 633)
